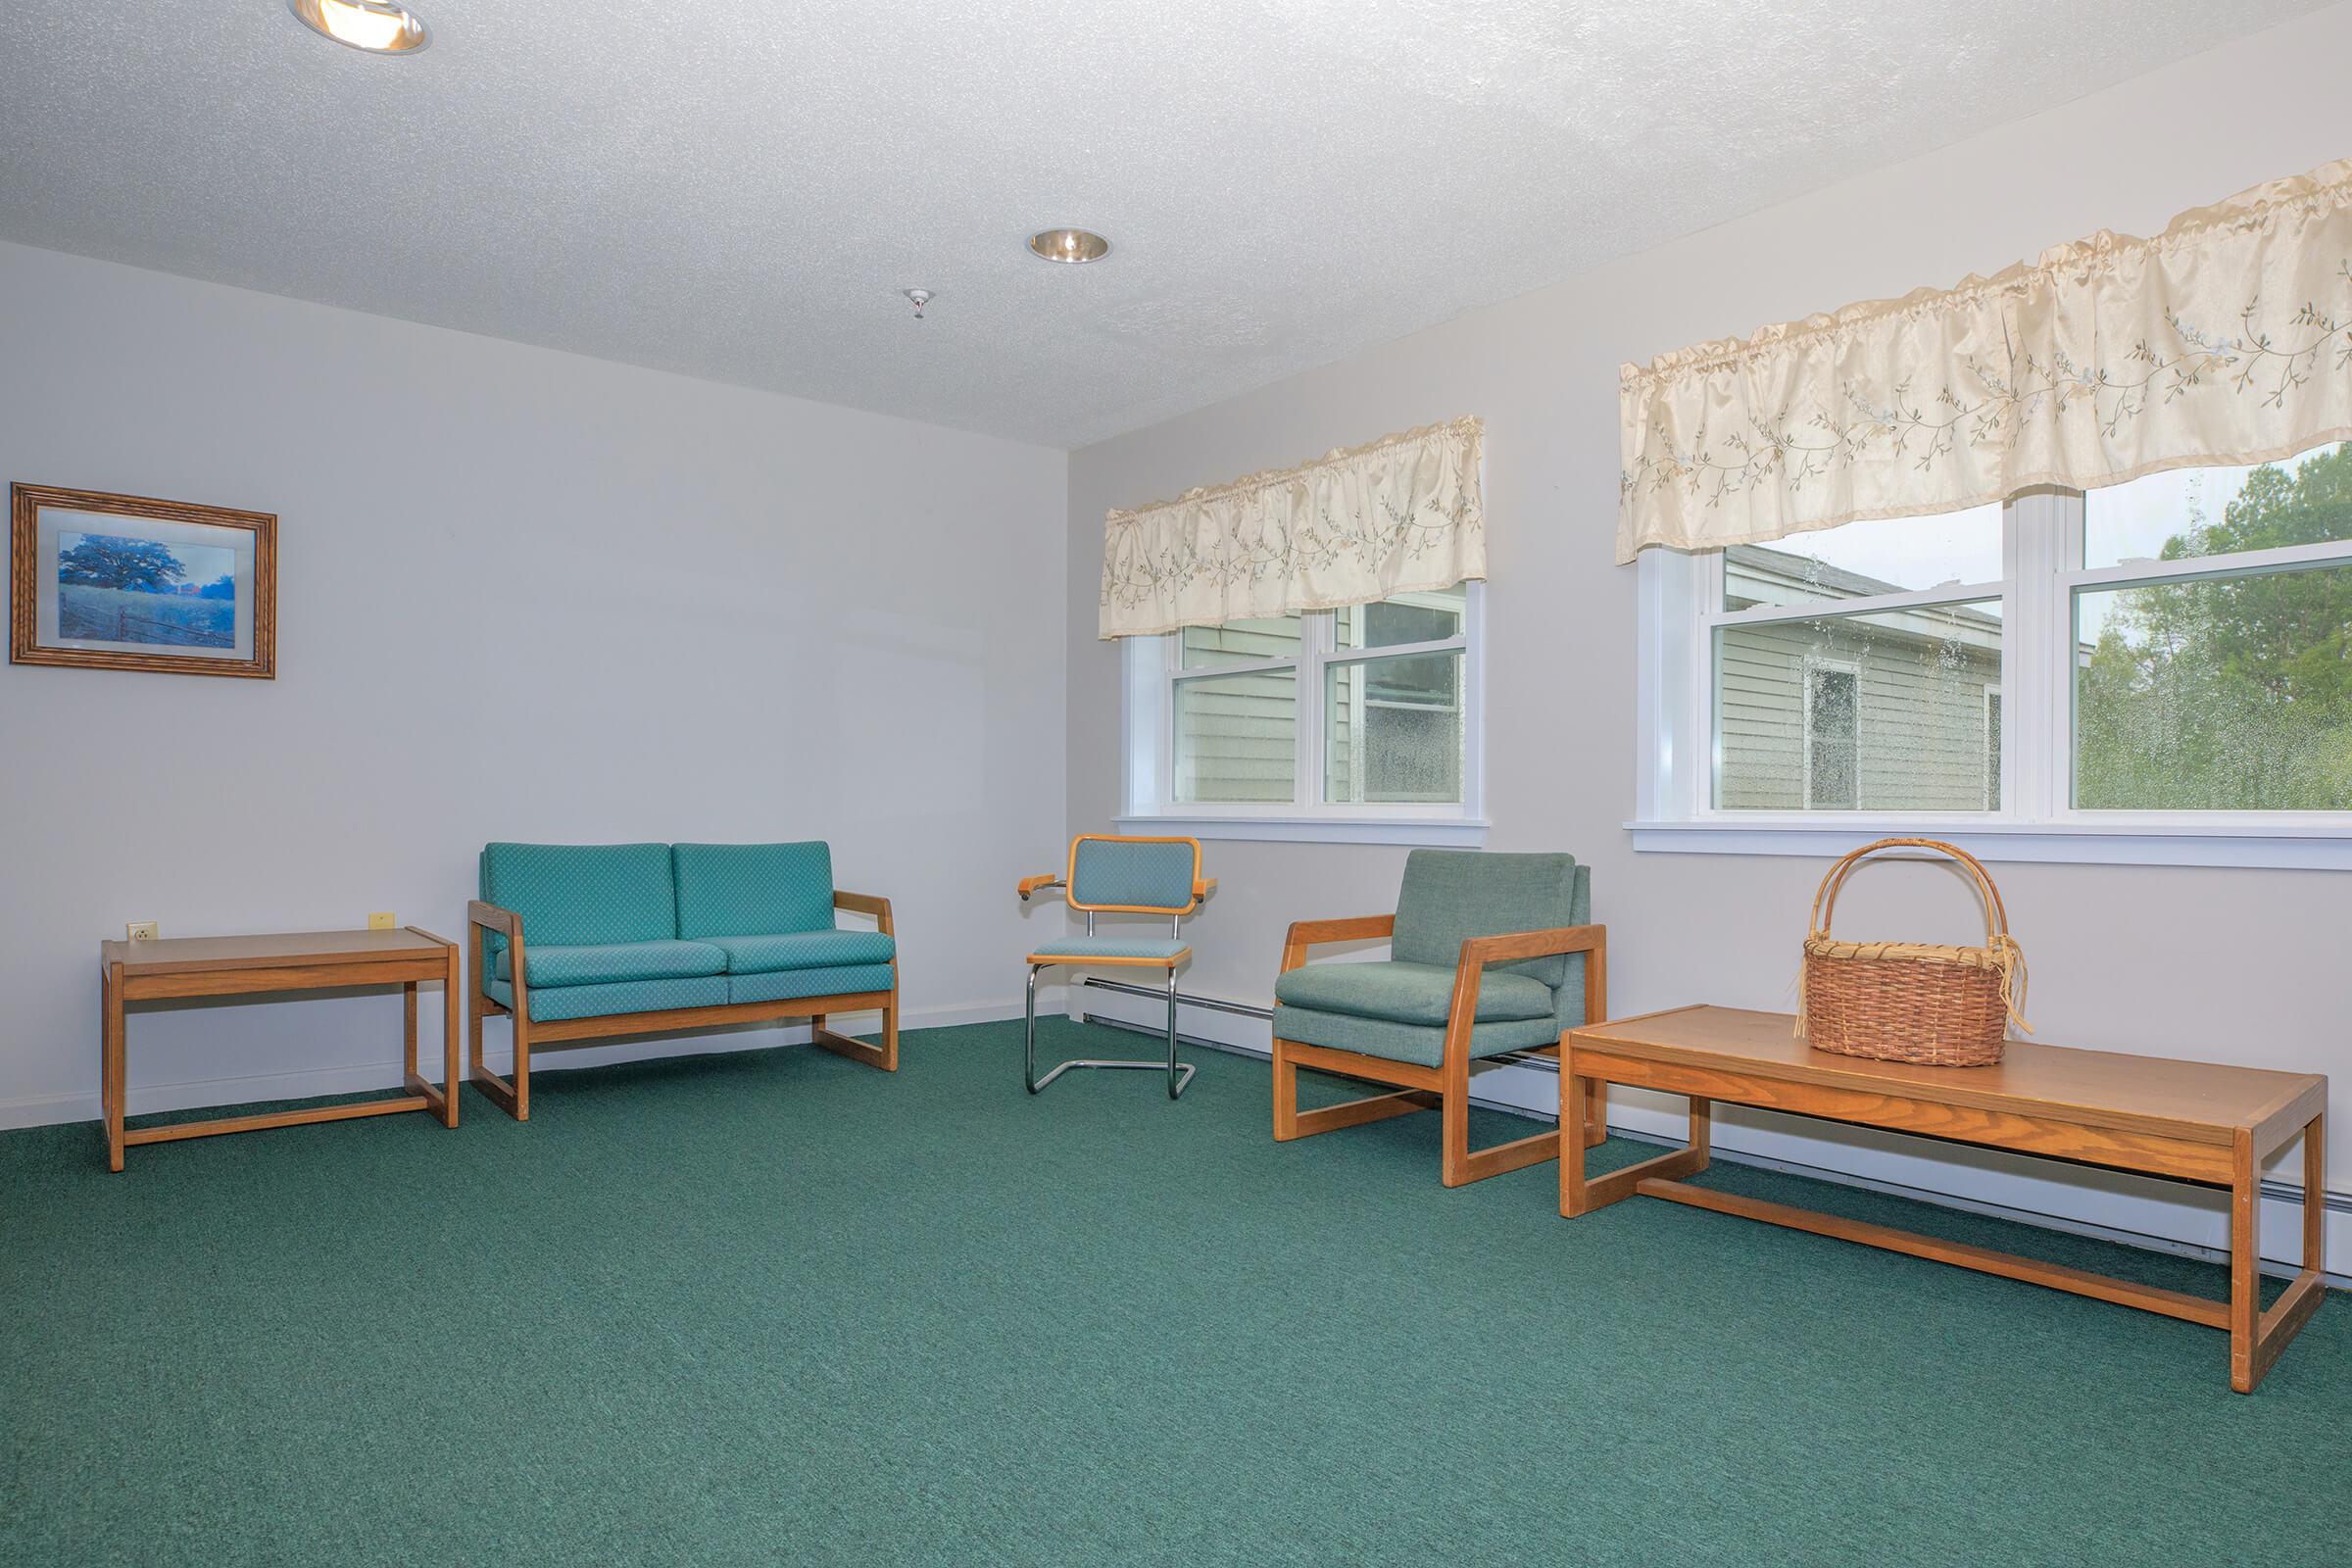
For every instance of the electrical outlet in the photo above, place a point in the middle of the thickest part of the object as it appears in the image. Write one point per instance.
(381, 920)
(141, 930)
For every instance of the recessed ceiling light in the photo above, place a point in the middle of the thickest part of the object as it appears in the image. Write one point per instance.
(1069, 245)
(375, 26)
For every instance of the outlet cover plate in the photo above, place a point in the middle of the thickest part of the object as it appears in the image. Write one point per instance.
(141, 930)
(381, 920)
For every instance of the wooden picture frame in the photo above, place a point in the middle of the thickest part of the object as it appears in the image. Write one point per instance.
(173, 587)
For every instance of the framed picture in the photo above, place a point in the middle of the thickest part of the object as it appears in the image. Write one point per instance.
(124, 582)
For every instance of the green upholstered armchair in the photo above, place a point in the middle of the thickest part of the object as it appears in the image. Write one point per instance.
(1112, 874)
(1489, 954)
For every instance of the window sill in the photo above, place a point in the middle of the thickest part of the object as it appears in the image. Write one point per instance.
(1442, 832)
(2313, 846)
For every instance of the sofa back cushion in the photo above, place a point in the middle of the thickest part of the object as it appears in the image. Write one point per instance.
(753, 889)
(1450, 895)
(578, 893)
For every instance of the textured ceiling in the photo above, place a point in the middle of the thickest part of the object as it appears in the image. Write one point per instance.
(738, 191)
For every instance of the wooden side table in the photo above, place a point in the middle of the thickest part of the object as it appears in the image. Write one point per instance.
(265, 965)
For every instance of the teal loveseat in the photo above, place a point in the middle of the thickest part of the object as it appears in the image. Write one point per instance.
(582, 942)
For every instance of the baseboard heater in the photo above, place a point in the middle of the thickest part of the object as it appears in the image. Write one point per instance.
(2281, 1192)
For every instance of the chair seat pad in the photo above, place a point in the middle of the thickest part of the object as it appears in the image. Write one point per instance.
(1410, 993)
(804, 950)
(1422, 1045)
(1110, 950)
(612, 963)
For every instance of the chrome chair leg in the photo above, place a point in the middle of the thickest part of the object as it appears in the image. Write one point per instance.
(1175, 1084)
(1179, 1073)
(1029, 1037)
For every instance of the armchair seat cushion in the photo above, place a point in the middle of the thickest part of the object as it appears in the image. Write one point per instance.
(1410, 993)
(1110, 949)
(1422, 1045)
(803, 950)
(611, 962)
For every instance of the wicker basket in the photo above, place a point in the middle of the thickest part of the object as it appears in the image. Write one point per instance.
(1915, 1001)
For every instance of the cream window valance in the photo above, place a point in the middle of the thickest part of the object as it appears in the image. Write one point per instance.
(2226, 339)
(1402, 515)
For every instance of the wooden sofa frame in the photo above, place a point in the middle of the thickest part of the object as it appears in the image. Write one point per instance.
(1445, 1088)
(513, 1097)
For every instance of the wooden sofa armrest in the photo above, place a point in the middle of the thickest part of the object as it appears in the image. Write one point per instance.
(873, 904)
(1479, 951)
(506, 922)
(1305, 933)
(1038, 884)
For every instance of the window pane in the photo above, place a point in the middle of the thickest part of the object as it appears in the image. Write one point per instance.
(1429, 618)
(1393, 729)
(1276, 637)
(1882, 712)
(2210, 511)
(1895, 554)
(1236, 737)
(2229, 694)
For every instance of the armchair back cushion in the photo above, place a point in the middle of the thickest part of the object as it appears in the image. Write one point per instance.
(578, 894)
(753, 890)
(1450, 895)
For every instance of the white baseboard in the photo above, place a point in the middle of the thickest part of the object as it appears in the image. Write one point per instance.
(2142, 1211)
(308, 1083)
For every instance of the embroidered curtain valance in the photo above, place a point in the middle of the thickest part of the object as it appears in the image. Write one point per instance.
(2226, 339)
(1401, 516)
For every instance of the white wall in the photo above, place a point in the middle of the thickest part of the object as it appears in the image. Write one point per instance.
(2245, 966)
(521, 594)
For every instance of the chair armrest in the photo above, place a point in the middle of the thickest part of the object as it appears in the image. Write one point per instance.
(1517, 945)
(1038, 884)
(1202, 887)
(506, 922)
(873, 904)
(1479, 951)
(1305, 933)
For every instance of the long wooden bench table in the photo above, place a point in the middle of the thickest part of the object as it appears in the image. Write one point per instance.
(2192, 1121)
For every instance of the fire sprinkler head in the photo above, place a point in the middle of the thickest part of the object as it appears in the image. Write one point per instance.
(922, 298)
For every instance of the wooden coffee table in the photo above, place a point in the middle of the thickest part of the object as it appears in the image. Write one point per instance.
(2192, 1121)
(305, 961)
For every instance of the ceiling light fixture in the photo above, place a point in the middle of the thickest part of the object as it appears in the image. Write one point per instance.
(1071, 245)
(373, 25)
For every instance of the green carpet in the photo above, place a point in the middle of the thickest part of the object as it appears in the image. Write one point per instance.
(776, 1307)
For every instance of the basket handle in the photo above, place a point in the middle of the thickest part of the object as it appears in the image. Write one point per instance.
(1996, 917)
(1996, 914)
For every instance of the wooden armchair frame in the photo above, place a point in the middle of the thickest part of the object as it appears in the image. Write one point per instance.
(1446, 1087)
(513, 1097)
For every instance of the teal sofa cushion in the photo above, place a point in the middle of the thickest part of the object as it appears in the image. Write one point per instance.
(1080, 948)
(843, 980)
(579, 894)
(1410, 993)
(802, 950)
(1450, 895)
(606, 962)
(1421, 1043)
(748, 890)
(603, 1001)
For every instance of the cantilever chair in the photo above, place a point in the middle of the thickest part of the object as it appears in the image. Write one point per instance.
(1110, 874)
(1489, 955)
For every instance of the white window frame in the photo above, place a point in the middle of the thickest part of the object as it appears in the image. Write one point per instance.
(1680, 596)
(1150, 669)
